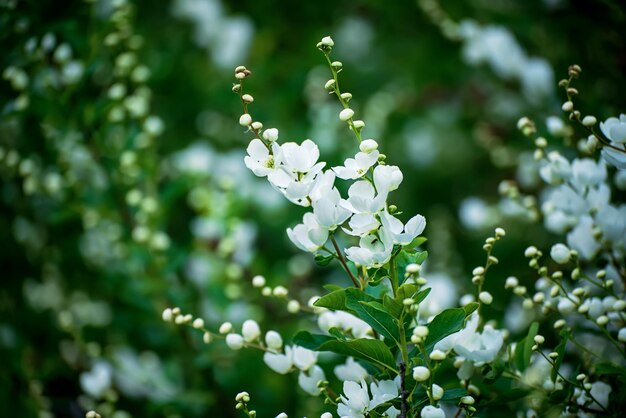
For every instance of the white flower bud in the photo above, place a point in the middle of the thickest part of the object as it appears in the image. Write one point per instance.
(273, 340)
(167, 315)
(602, 320)
(412, 268)
(358, 124)
(327, 41)
(281, 415)
(500, 232)
(485, 297)
(621, 335)
(559, 323)
(250, 330)
(206, 338)
(560, 253)
(539, 339)
(589, 121)
(247, 98)
(293, 306)
(430, 411)
(421, 373)
(270, 134)
(225, 328)
(280, 291)
(437, 355)
(478, 271)
(530, 251)
(619, 305)
(346, 96)
(568, 106)
(198, 323)
(437, 392)
(245, 119)
(258, 281)
(420, 331)
(234, 341)
(330, 84)
(368, 145)
(511, 282)
(467, 400)
(256, 126)
(346, 114)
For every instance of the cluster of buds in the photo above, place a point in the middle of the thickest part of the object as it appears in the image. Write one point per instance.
(242, 399)
(279, 292)
(177, 317)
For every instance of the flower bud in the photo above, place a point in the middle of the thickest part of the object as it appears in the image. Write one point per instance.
(247, 98)
(436, 391)
(234, 341)
(589, 121)
(485, 297)
(368, 146)
(560, 253)
(346, 114)
(250, 330)
(273, 340)
(270, 135)
(167, 315)
(259, 281)
(225, 328)
(198, 323)
(245, 120)
(421, 373)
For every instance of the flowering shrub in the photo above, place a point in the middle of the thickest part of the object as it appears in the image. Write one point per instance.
(129, 199)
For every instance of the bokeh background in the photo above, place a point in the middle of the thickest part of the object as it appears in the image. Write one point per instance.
(124, 190)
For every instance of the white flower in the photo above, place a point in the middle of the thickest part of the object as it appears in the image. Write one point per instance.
(308, 380)
(97, 380)
(327, 208)
(300, 158)
(560, 253)
(403, 234)
(309, 235)
(250, 330)
(615, 129)
(430, 411)
(556, 170)
(387, 178)
(351, 370)
(362, 198)
(354, 168)
(581, 239)
(588, 173)
(355, 402)
(280, 363)
(362, 224)
(368, 145)
(259, 158)
(471, 345)
(384, 391)
(614, 157)
(373, 251)
(303, 358)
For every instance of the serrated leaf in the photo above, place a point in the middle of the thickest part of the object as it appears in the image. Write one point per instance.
(447, 322)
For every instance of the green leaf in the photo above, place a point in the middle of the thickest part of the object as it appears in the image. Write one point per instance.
(470, 307)
(311, 341)
(332, 287)
(493, 371)
(560, 349)
(375, 315)
(323, 260)
(417, 242)
(370, 350)
(407, 290)
(335, 300)
(421, 295)
(523, 350)
(393, 306)
(611, 369)
(404, 258)
(446, 323)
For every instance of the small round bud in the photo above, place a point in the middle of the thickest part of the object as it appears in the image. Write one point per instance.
(273, 340)
(602, 320)
(530, 252)
(421, 373)
(511, 282)
(257, 126)
(367, 146)
(437, 355)
(245, 119)
(346, 114)
(346, 96)
(293, 306)
(247, 98)
(485, 297)
(412, 268)
(206, 337)
(467, 400)
(250, 330)
(539, 339)
(337, 65)
(436, 392)
(258, 281)
(589, 121)
(327, 41)
(198, 323)
(478, 271)
(225, 328)
(500, 232)
(559, 323)
(621, 335)
(167, 315)
(234, 341)
(560, 253)
(359, 124)
(330, 84)
(280, 291)
(581, 377)
(408, 301)
(236, 88)
(568, 106)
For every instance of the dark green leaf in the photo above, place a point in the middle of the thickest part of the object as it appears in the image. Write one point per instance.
(379, 319)
(446, 323)
(523, 350)
(335, 300)
(323, 260)
(311, 341)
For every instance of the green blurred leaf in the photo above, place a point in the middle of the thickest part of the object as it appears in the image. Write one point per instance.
(523, 350)
(323, 260)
